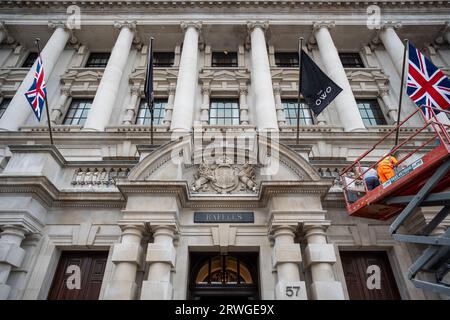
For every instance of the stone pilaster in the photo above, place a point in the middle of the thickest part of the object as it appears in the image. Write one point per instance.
(131, 111)
(204, 109)
(345, 102)
(19, 109)
(266, 117)
(279, 106)
(57, 110)
(106, 95)
(127, 256)
(161, 255)
(11, 254)
(183, 108)
(169, 107)
(391, 108)
(320, 257)
(243, 106)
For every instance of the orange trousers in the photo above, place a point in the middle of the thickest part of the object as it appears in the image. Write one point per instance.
(385, 172)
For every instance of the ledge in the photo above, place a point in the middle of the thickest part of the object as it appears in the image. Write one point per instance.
(39, 148)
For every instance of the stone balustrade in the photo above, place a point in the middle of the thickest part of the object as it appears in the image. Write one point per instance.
(104, 177)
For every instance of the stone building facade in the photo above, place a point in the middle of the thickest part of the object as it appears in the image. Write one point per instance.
(141, 221)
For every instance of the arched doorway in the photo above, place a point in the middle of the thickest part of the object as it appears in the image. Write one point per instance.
(213, 276)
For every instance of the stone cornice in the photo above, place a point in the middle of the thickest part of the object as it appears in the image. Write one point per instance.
(36, 148)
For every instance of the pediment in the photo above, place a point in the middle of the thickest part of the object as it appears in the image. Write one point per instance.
(224, 75)
(83, 76)
(366, 76)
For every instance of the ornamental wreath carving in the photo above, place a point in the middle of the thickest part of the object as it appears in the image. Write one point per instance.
(223, 177)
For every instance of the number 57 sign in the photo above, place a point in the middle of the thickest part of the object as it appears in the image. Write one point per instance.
(290, 290)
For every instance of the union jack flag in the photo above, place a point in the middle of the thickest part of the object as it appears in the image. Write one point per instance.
(427, 85)
(36, 94)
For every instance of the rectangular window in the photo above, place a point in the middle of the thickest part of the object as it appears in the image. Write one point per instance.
(159, 107)
(286, 59)
(163, 59)
(224, 59)
(224, 112)
(4, 105)
(29, 61)
(371, 113)
(290, 113)
(78, 112)
(351, 60)
(97, 60)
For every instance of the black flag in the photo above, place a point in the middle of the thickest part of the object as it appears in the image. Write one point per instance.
(148, 88)
(317, 89)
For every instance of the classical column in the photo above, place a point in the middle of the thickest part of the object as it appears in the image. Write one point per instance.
(345, 102)
(106, 95)
(183, 108)
(161, 255)
(19, 109)
(127, 255)
(320, 257)
(286, 258)
(169, 107)
(391, 108)
(130, 112)
(11, 255)
(57, 110)
(266, 117)
(394, 46)
(279, 106)
(204, 110)
(243, 107)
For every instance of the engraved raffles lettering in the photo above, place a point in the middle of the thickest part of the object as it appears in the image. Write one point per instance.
(223, 217)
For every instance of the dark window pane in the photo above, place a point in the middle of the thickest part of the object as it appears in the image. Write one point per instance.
(224, 112)
(29, 61)
(351, 60)
(163, 59)
(290, 113)
(224, 59)
(286, 59)
(4, 105)
(371, 113)
(144, 117)
(78, 112)
(97, 60)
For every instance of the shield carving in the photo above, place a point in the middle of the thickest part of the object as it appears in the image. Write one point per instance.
(225, 178)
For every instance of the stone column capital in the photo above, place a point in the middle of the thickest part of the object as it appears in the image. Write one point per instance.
(243, 90)
(390, 25)
(132, 227)
(206, 90)
(136, 90)
(53, 25)
(263, 25)
(196, 24)
(277, 90)
(66, 90)
(127, 24)
(171, 89)
(323, 24)
(311, 228)
(164, 230)
(17, 231)
(382, 92)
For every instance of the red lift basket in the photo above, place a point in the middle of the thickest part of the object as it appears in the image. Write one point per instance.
(416, 165)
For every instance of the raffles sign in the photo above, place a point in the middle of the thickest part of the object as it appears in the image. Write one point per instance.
(224, 217)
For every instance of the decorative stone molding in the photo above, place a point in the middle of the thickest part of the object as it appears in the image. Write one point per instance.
(52, 25)
(196, 24)
(127, 24)
(101, 177)
(383, 26)
(323, 24)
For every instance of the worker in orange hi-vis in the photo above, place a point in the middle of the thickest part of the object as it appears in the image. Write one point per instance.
(386, 168)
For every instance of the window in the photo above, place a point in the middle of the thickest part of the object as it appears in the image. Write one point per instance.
(4, 105)
(159, 107)
(351, 60)
(370, 112)
(78, 112)
(163, 59)
(286, 59)
(97, 60)
(29, 61)
(290, 113)
(224, 59)
(224, 112)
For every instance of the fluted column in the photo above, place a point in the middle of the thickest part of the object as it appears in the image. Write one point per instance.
(320, 257)
(394, 46)
(161, 255)
(57, 110)
(106, 95)
(243, 107)
(130, 112)
(169, 107)
(127, 255)
(204, 110)
(11, 255)
(286, 259)
(19, 109)
(183, 108)
(279, 106)
(345, 101)
(265, 113)
(391, 108)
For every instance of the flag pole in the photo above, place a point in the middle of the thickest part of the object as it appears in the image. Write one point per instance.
(399, 110)
(45, 95)
(300, 47)
(150, 94)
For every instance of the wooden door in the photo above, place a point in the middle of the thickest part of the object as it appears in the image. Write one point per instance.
(355, 266)
(91, 266)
